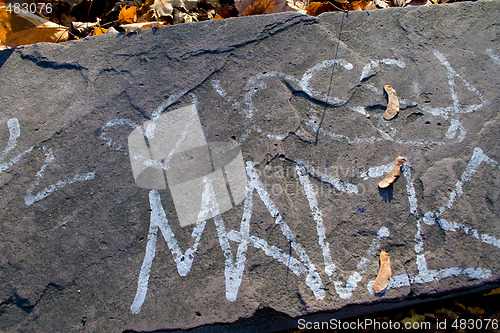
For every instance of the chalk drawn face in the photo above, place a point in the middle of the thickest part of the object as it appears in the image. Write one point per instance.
(372, 128)
(171, 150)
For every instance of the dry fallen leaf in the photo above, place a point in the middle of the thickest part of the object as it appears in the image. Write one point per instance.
(384, 273)
(414, 319)
(257, 7)
(26, 28)
(361, 5)
(392, 104)
(420, 3)
(394, 173)
(470, 309)
(166, 7)
(298, 6)
(82, 26)
(162, 8)
(136, 27)
(448, 313)
(399, 3)
(381, 4)
(316, 8)
(99, 31)
(495, 291)
(128, 14)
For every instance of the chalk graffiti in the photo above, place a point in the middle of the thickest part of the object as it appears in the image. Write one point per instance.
(300, 262)
(303, 266)
(31, 197)
(455, 132)
(493, 56)
(14, 133)
(426, 275)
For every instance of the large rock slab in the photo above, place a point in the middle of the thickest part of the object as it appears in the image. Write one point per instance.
(85, 248)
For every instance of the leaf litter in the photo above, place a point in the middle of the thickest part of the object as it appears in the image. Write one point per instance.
(75, 19)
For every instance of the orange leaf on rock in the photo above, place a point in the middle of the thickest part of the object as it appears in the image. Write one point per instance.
(99, 31)
(392, 109)
(384, 273)
(394, 173)
(128, 14)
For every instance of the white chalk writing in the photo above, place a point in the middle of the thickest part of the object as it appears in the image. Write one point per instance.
(31, 197)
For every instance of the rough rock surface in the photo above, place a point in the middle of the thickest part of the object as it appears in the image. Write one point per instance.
(75, 227)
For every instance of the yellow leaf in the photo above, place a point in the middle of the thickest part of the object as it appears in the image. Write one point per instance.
(128, 14)
(415, 318)
(99, 31)
(26, 28)
(495, 291)
(384, 273)
(473, 310)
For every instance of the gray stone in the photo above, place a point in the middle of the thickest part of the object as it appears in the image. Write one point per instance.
(76, 232)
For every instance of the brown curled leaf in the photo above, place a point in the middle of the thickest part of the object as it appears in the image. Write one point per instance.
(394, 173)
(384, 273)
(393, 103)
